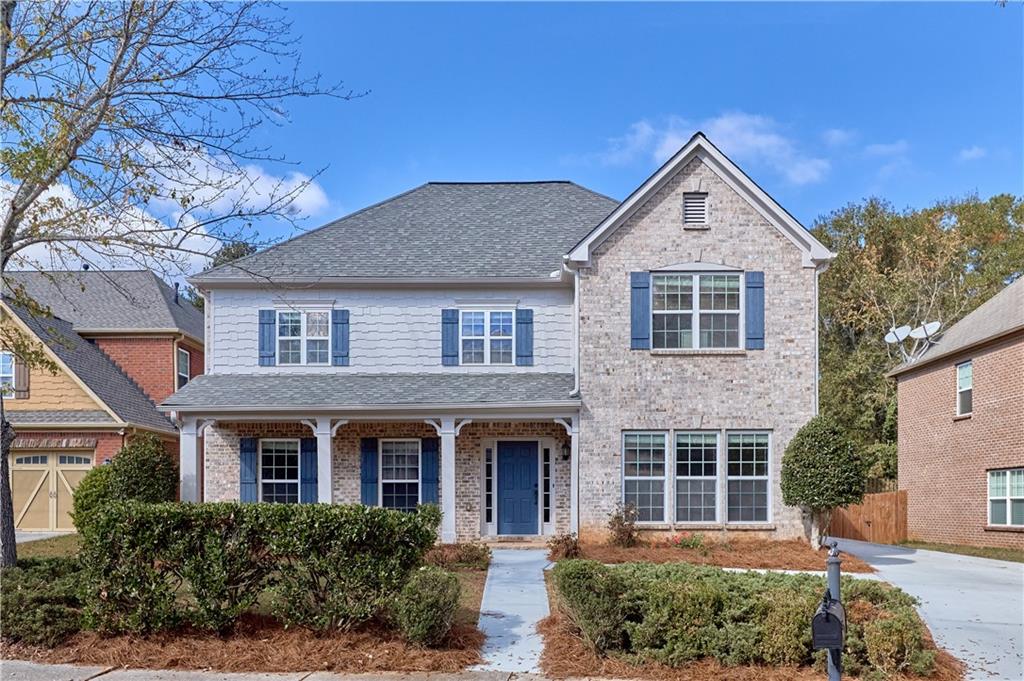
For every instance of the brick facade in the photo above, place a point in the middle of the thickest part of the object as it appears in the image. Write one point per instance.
(944, 459)
(768, 390)
(222, 461)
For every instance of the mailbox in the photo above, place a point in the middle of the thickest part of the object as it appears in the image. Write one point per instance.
(828, 626)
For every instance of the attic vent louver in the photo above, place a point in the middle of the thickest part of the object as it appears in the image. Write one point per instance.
(695, 208)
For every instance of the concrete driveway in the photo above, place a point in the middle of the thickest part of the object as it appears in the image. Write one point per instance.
(22, 536)
(974, 606)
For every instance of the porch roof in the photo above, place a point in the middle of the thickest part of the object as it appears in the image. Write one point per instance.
(368, 392)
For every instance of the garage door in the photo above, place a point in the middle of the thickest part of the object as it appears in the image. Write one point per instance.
(42, 486)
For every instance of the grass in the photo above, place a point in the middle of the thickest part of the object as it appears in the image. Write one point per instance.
(54, 547)
(1015, 555)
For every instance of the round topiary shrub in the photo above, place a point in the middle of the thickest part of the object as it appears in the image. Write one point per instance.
(425, 608)
(144, 471)
(821, 471)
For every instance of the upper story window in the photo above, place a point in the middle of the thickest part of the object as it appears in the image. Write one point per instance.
(7, 374)
(303, 337)
(486, 337)
(964, 388)
(1006, 497)
(184, 366)
(695, 208)
(694, 311)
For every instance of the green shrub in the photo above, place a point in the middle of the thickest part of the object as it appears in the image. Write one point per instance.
(679, 621)
(565, 545)
(426, 606)
(622, 526)
(40, 601)
(737, 643)
(785, 629)
(688, 540)
(92, 493)
(465, 556)
(893, 640)
(594, 596)
(144, 471)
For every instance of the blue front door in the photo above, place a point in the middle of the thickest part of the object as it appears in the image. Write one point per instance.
(517, 488)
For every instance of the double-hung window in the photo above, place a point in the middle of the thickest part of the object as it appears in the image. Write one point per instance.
(279, 471)
(303, 337)
(7, 373)
(964, 388)
(695, 311)
(184, 361)
(643, 486)
(400, 474)
(747, 477)
(696, 477)
(1006, 497)
(486, 336)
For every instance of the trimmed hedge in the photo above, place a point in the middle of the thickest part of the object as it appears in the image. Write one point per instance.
(425, 608)
(40, 600)
(151, 567)
(676, 612)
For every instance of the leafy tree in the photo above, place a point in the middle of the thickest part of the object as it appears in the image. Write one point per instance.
(903, 267)
(821, 472)
(127, 140)
(229, 252)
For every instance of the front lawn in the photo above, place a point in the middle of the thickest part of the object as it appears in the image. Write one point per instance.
(1015, 555)
(55, 547)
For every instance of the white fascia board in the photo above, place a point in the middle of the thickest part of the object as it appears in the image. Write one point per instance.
(381, 282)
(814, 252)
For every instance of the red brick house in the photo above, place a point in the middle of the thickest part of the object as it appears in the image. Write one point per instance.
(961, 429)
(122, 341)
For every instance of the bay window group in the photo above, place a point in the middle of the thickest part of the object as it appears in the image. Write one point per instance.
(697, 476)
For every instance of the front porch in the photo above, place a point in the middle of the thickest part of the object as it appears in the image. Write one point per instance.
(493, 477)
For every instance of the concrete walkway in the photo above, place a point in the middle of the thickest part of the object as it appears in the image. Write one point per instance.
(22, 536)
(515, 600)
(974, 606)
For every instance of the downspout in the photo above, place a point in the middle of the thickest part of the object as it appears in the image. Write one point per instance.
(575, 329)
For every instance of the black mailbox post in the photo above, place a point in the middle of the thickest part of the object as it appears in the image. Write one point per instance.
(828, 627)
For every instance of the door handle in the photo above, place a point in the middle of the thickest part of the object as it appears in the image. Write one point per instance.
(535, 494)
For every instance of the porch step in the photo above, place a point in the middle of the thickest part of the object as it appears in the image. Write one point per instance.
(515, 542)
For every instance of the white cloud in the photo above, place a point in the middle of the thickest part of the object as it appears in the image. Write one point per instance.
(897, 148)
(838, 137)
(972, 153)
(747, 138)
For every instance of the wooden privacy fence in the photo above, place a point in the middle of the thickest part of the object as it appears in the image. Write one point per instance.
(882, 519)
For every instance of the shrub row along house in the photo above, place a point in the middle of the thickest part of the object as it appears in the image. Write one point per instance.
(961, 429)
(121, 342)
(527, 355)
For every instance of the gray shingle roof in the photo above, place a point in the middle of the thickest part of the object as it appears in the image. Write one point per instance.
(438, 230)
(96, 370)
(123, 300)
(998, 316)
(24, 416)
(330, 391)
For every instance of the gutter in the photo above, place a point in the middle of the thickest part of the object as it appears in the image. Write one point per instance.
(380, 282)
(360, 408)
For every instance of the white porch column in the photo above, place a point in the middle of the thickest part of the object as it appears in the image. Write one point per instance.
(447, 433)
(324, 458)
(188, 458)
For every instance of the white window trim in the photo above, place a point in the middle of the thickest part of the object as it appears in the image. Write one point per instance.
(177, 366)
(960, 390)
(695, 310)
(419, 468)
(726, 477)
(11, 392)
(717, 477)
(303, 336)
(1007, 497)
(259, 466)
(668, 490)
(487, 335)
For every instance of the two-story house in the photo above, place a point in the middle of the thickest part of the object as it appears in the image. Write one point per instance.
(527, 355)
(121, 341)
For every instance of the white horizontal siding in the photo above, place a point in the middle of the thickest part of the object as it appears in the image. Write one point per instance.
(390, 331)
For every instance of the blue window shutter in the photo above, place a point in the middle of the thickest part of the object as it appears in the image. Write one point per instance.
(640, 310)
(368, 471)
(755, 310)
(450, 337)
(247, 469)
(268, 337)
(428, 470)
(524, 338)
(339, 338)
(307, 470)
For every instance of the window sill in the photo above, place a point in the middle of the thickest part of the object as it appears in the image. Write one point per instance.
(696, 228)
(698, 527)
(734, 352)
(1005, 528)
(962, 417)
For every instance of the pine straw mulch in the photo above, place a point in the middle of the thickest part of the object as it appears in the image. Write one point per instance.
(261, 644)
(770, 554)
(567, 655)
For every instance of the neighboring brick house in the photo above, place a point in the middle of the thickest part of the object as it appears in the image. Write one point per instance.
(121, 340)
(528, 355)
(961, 429)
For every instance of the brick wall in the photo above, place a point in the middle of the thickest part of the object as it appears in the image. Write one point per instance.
(222, 463)
(107, 443)
(943, 459)
(623, 389)
(147, 361)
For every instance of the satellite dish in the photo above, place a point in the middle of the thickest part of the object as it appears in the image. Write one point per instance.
(891, 338)
(902, 332)
(925, 330)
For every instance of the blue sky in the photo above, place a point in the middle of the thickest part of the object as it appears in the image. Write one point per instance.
(822, 104)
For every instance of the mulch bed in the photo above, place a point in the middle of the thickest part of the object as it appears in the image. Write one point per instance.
(261, 644)
(738, 553)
